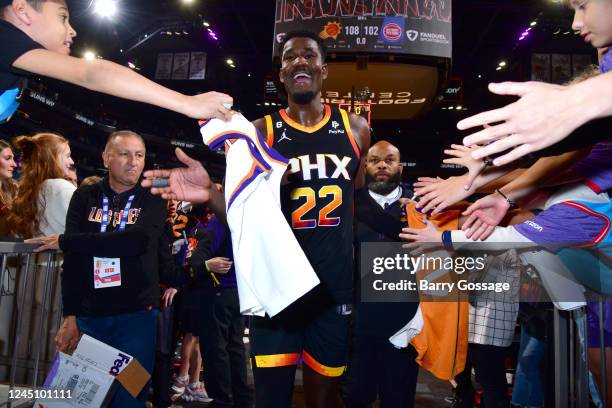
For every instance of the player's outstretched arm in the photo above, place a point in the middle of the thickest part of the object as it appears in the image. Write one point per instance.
(191, 183)
(107, 77)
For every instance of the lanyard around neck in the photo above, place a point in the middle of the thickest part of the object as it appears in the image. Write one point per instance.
(124, 215)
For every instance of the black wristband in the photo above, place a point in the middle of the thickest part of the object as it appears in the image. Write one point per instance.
(510, 201)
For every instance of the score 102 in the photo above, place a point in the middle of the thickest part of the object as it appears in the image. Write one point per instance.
(355, 30)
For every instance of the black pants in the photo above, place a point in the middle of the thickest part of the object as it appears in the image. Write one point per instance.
(378, 369)
(488, 363)
(162, 377)
(162, 372)
(222, 348)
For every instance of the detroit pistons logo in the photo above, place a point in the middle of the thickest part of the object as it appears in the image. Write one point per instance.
(392, 32)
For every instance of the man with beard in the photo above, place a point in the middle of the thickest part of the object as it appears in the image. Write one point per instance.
(377, 369)
(324, 146)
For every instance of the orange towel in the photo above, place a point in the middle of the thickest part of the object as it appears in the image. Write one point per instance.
(442, 344)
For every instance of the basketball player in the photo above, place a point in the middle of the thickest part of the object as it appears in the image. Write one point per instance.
(324, 145)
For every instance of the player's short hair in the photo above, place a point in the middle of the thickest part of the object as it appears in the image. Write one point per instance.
(304, 34)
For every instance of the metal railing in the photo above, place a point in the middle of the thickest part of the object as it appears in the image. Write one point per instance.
(28, 313)
(34, 274)
(571, 360)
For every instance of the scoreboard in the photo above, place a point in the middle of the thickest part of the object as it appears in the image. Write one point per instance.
(418, 27)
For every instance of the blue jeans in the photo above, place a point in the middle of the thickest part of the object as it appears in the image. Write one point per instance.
(527, 390)
(133, 333)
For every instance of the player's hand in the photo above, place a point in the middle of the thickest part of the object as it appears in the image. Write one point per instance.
(439, 194)
(68, 334)
(168, 296)
(484, 215)
(537, 120)
(462, 155)
(219, 265)
(48, 243)
(191, 183)
(208, 105)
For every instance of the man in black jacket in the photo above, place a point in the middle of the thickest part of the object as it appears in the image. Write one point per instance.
(110, 279)
(376, 368)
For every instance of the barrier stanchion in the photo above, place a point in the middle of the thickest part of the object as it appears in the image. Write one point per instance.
(43, 315)
(33, 300)
(561, 351)
(602, 353)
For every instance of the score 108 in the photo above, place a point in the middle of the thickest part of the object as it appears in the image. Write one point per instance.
(355, 30)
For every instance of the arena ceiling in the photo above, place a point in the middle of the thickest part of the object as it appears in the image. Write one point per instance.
(484, 34)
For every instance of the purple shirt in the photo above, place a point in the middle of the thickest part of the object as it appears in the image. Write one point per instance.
(221, 237)
(562, 225)
(596, 168)
(605, 65)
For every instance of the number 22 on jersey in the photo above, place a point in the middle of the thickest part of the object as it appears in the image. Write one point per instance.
(323, 219)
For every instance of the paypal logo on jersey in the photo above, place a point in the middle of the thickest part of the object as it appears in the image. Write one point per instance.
(325, 166)
(334, 130)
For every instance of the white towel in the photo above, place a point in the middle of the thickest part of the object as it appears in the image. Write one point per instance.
(402, 338)
(272, 270)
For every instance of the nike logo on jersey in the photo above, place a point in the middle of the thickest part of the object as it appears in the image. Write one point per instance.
(325, 166)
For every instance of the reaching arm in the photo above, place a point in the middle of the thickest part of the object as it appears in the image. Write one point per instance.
(438, 194)
(191, 183)
(486, 213)
(541, 172)
(544, 115)
(114, 79)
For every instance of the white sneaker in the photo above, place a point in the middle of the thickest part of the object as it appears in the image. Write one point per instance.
(195, 392)
(179, 385)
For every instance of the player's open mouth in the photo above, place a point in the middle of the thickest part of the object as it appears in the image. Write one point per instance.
(301, 78)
